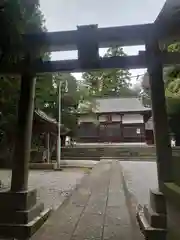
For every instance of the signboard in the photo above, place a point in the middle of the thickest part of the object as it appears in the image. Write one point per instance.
(138, 131)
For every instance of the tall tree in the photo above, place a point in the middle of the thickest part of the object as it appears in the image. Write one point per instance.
(16, 18)
(48, 98)
(113, 82)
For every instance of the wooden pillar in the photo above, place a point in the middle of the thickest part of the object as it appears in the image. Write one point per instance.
(121, 129)
(19, 181)
(161, 130)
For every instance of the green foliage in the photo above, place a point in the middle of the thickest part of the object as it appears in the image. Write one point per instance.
(172, 93)
(47, 99)
(112, 82)
(16, 18)
(172, 85)
(9, 92)
(146, 97)
(106, 83)
(175, 47)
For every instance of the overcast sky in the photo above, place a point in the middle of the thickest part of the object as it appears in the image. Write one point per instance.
(67, 14)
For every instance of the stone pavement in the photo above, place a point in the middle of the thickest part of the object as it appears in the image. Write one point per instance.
(140, 177)
(53, 187)
(97, 209)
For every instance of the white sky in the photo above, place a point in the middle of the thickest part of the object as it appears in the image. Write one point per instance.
(67, 14)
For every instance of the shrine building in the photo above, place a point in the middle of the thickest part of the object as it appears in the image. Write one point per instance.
(115, 120)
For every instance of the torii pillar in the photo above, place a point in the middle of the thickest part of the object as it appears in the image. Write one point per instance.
(160, 120)
(152, 218)
(20, 216)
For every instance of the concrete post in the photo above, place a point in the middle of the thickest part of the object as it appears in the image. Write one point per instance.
(161, 132)
(19, 181)
(48, 147)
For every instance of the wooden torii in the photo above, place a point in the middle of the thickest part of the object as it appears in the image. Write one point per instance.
(18, 203)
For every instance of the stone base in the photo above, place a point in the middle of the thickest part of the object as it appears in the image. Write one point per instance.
(149, 232)
(172, 193)
(152, 219)
(20, 216)
(58, 169)
(157, 202)
(41, 166)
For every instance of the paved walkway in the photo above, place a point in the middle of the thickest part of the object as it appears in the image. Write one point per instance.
(140, 177)
(98, 209)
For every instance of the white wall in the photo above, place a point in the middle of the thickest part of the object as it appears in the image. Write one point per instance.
(132, 118)
(126, 118)
(149, 124)
(115, 118)
(87, 118)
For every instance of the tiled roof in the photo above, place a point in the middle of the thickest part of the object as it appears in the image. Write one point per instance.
(44, 116)
(105, 105)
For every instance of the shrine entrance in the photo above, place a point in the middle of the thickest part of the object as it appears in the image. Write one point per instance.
(110, 132)
(20, 201)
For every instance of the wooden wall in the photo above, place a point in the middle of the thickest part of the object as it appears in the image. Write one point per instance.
(112, 128)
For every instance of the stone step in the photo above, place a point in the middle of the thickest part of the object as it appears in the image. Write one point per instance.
(117, 158)
(148, 231)
(154, 219)
(24, 231)
(108, 153)
(81, 158)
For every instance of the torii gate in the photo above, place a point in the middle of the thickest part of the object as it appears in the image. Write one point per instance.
(19, 204)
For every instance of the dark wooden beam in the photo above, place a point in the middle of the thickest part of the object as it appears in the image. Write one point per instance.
(75, 65)
(169, 21)
(105, 37)
(127, 62)
(169, 12)
(88, 49)
(68, 40)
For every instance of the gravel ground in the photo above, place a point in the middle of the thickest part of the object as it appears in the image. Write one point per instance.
(53, 186)
(140, 177)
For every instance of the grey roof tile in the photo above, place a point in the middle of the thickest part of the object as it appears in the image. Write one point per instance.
(44, 116)
(105, 105)
(51, 120)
